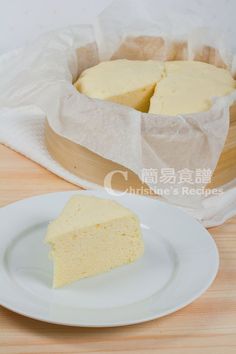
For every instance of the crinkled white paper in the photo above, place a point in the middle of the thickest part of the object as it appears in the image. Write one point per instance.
(40, 76)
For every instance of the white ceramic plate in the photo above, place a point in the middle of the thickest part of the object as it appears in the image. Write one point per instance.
(179, 263)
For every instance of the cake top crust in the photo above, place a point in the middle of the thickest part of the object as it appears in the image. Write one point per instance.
(83, 211)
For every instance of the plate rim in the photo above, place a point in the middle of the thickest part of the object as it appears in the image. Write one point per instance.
(102, 193)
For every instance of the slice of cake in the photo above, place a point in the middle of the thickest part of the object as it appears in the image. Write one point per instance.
(92, 236)
(128, 82)
(188, 87)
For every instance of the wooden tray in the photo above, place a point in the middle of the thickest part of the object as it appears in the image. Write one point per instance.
(93, 168)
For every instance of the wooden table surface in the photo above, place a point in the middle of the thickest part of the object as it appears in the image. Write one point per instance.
(206, 326)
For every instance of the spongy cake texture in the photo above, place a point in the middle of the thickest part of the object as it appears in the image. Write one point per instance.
(92, 236)
(168, 88)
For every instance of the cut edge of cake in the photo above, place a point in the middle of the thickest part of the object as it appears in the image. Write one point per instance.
(151, 98)
(96, 247)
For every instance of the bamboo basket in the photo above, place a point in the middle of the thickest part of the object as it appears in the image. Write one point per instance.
(92, 167)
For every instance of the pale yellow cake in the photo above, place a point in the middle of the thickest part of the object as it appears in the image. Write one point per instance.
(188, 87)
(128, 82)
(92, 236)
(169, 88)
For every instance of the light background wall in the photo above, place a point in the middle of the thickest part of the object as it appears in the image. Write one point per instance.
(22, 21)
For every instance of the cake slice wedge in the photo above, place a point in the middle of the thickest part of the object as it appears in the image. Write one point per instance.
(127, 82)
(92, 236)
(189, 87)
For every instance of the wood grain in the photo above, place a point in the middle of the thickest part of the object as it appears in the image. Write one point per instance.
(208, 326)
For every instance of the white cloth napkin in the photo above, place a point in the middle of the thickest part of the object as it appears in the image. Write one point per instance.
(22, 129)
